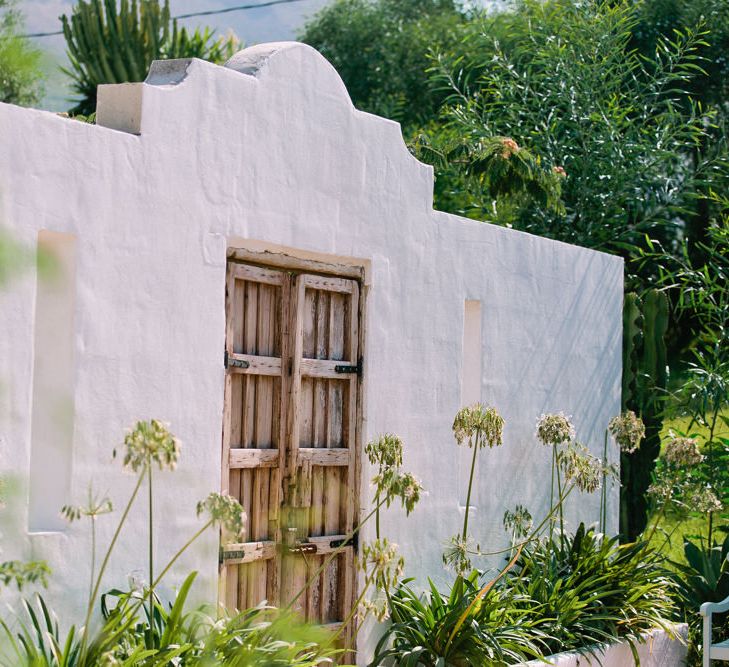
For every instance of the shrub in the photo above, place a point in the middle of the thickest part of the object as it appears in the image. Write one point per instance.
(589, 589)
(457, 628)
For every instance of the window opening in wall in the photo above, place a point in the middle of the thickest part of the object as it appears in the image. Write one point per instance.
(52, 408)
(470, 388)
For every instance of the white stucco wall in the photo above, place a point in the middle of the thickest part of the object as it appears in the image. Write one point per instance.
(275, 156)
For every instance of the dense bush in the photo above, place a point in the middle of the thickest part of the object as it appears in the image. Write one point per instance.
(568, 593)
(381, 50)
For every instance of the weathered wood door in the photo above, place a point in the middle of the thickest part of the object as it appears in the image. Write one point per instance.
(290, 444)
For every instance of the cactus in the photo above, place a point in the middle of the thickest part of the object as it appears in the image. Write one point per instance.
(632, 339)
(645, 376)
(110, 44)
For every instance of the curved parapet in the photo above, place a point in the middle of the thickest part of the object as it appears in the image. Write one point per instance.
(284, 84)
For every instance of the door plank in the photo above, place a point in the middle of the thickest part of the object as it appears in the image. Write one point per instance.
(257, 365)
(320, 456)
(253, 458)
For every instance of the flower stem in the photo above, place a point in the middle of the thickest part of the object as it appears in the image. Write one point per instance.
(561, 507)
(377, 516)
(93, 553)
(660, 516)
(551, 491)
(179, 553)
(603, 493)
(151, 547)
(102, 569)
(353, 610)
(535, 532)
(470, 486)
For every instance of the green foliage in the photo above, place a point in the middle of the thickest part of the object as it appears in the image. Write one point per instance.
(380, 49)
(658, 19)
(110, 44)
(705, 573)
(560, 78)
(562, 594)
(429, 630)
(256, 637)
(20, 72)
(497, 166)
(589, 590)
(698, 280)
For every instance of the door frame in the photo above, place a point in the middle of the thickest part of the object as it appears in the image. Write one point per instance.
(282, 261)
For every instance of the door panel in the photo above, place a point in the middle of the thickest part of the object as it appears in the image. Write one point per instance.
(253, 433)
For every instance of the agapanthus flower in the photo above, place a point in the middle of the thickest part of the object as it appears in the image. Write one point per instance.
(151, 442)
(705, 500)
(628, 430)
(386, 451)
(456, 556)
(681, 451)
(661, 489)
(95, 507)
(555, 429)
(581, 467)
(408, 489)
(224, 510)
(381, 558)
(484, 424)
(519, 521)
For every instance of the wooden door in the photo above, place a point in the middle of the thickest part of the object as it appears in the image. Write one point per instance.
(290, 445)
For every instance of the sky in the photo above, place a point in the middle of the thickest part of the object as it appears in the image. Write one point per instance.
(267, 24)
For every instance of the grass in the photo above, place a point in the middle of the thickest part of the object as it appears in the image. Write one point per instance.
(693, 526)
(682, 424)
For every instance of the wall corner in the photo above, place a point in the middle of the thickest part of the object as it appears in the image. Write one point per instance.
(119, 107)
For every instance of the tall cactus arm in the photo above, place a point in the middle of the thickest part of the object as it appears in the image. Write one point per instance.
(632, 342)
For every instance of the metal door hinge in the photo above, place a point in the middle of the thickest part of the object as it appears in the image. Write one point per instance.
(234, 363)
(224, 555)
(351, 542)
(349, 369)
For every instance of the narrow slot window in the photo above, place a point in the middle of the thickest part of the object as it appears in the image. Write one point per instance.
(470, 390)
(52, 408)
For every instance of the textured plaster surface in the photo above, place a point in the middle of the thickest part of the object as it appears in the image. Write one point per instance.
(658, 649)
(270, 153)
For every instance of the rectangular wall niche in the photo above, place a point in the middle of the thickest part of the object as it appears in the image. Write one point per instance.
(52, 410)
(470, 388)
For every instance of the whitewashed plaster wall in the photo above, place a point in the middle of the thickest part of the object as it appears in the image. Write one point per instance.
(269, 153)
